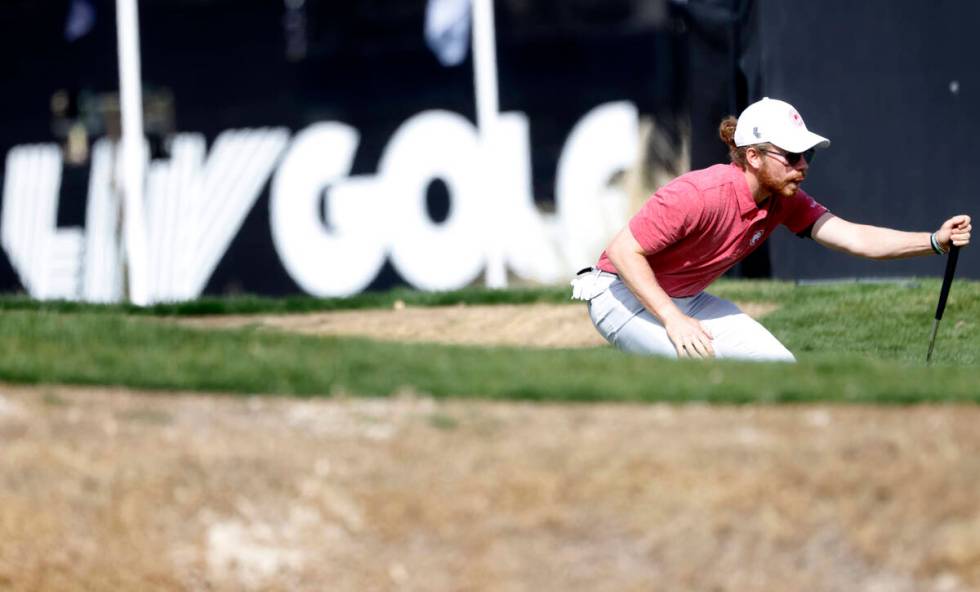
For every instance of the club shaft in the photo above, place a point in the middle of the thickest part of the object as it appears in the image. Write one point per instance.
(932, 340)
(954, 253)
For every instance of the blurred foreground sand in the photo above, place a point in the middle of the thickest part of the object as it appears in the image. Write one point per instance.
(109, 489)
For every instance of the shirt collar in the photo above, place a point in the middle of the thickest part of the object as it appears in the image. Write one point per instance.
(746, 204)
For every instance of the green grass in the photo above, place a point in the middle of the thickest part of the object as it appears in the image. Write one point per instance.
(247, 304)
(855, 342)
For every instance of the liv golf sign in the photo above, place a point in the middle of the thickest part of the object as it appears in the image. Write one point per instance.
(332, 231)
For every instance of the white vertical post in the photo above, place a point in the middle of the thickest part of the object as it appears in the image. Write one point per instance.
(487, 108)
(131, 105)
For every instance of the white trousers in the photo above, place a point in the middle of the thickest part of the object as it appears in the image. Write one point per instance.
(624, 322)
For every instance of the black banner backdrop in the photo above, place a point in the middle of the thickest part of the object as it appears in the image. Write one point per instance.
(889, 83)
(224, 64)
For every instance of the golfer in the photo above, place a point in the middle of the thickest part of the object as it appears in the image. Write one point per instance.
(647, 293)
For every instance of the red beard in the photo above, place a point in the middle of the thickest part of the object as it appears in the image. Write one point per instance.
(780, 185)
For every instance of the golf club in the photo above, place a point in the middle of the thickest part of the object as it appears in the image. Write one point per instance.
(954, 253)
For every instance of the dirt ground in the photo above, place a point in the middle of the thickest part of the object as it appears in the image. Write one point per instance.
(531, 325)
(110, 489)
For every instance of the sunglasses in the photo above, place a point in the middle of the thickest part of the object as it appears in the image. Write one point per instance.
(793, 158)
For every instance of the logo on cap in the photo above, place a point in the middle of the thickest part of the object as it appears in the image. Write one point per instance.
(755, 132)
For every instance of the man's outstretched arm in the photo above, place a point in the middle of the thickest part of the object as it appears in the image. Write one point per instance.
(875, 242)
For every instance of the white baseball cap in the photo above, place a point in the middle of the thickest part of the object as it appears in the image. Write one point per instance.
(776, 122)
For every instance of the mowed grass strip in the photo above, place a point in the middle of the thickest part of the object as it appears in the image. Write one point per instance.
(250, 304)
(856, 343)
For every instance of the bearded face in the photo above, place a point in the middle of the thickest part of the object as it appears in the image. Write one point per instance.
(776, 177)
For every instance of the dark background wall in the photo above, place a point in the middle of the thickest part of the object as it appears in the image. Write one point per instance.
(895, 86)
(892, 84)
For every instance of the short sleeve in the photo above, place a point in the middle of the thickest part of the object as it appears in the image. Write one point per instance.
(670, 214)
(801, 211)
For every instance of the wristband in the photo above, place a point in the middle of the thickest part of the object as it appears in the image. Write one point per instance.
(935, 244)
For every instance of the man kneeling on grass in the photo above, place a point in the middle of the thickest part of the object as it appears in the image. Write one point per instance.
(646, 294)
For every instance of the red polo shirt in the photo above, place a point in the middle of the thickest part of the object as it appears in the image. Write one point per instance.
(699, 225)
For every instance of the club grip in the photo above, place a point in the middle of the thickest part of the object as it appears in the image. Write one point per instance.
(954, 254)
